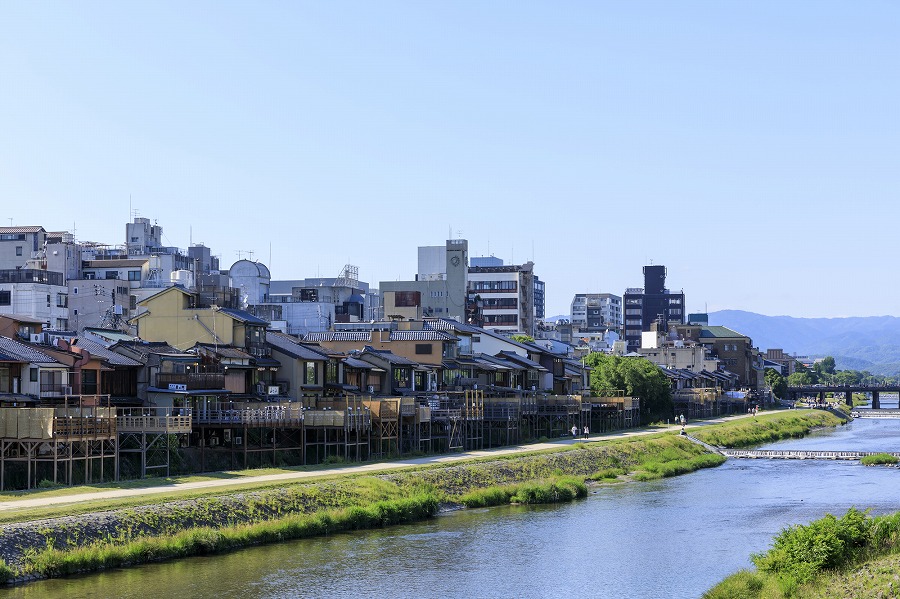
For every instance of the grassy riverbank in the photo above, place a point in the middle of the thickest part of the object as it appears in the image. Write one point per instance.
(767, 428)
(163, 528)
(851, 556)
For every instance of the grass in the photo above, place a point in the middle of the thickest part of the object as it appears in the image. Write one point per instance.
(878, 459)
(852, 556)
(53, 562)
(766, 428)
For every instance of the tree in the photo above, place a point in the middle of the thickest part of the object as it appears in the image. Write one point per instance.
(776, 382)
(522, 338)
(637, 377)
(800, 379)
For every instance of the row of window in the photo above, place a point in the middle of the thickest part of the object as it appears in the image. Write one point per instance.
(133, 275)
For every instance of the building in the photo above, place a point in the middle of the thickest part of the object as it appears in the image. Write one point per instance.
(439, 290)
(734, 351)
(40, 294)
(652, 303)
(507, 293)
(20, 244)
(314, 305)
(596, 312)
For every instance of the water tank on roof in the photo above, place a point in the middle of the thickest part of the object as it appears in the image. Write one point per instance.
(185, 278)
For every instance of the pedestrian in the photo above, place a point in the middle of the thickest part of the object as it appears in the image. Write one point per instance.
(574, 432)
(587, 431)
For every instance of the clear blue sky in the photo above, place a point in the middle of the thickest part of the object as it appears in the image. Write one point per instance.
(750, 147)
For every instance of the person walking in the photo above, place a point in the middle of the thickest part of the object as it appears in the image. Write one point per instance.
(574, 432)
(587, 431)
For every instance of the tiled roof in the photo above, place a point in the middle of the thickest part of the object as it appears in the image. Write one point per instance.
(20, 229)
(514, 357)
(99, 350)
(292, 346)
(243, 316)
(225, 351)
(25, 353)
(339, 336)
(717, 331)
(449, 324)
(421, 336)
(388, 356)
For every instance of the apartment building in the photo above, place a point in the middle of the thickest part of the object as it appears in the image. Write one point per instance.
(596, 312)
(652, 303)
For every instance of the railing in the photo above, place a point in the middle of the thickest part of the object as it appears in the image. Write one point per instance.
(153, 420)
(251, 416)
(192, 381)
(72, 426)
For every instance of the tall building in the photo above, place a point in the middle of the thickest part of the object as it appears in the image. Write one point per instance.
(595, 312)
(507, 296)
(653, 303)
(439, 289)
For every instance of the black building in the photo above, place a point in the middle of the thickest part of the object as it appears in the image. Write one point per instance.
(652, 303)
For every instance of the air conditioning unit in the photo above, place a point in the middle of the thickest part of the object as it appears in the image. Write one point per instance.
(238, 440)
(37, 337)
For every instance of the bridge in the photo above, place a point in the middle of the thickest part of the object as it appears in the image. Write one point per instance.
(847, 391)
(786, 454)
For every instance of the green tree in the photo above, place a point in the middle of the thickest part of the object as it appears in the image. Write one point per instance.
(637, 377)
(800, 379)
(776, 382)
(522, 338)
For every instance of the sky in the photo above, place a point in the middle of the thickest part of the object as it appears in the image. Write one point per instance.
(752, 148)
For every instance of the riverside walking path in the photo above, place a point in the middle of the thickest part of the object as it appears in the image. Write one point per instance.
(374, 467)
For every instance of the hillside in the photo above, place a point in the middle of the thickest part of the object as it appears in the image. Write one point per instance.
(859, 343)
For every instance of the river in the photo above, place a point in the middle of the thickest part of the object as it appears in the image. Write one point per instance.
(671, 538)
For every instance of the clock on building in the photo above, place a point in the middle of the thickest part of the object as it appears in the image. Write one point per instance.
(454, 260)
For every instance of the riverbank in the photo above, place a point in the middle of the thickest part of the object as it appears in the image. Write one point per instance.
(852, 556)
(56, 546)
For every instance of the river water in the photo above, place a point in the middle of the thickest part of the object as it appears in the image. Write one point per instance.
(671, 538)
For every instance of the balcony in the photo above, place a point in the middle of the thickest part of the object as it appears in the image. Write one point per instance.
(190, 382)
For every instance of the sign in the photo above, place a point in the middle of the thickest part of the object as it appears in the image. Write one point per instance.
(177, 387)
(273, 390)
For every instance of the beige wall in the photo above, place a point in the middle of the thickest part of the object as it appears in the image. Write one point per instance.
(168, 318)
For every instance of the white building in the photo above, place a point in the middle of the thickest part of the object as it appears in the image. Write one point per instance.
(40, 294)
(507, 296)
(597, 312)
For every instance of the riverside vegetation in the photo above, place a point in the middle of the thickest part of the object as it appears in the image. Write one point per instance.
(852, 556)
(203, 524)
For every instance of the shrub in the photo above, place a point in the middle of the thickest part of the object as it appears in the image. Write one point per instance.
(878, 458)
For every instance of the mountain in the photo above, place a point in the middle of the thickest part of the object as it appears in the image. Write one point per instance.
(859, 343)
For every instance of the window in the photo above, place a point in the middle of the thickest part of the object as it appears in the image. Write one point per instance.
(5, 298)
(134, 275)
(12, 237)
(134, 240)
(112, 274)
(62, 300)
(33, 375)
(18, 250)
(310, 373)
(331, 372)
(424, 348)
(62, 323)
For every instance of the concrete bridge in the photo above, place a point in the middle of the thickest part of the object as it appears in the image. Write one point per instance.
(846, 390)
(783, 454)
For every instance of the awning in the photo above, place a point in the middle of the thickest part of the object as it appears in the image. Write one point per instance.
(191, 392)
(266, 362)
(342, 387)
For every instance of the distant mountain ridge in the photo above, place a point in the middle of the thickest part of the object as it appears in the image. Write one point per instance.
(859, 343)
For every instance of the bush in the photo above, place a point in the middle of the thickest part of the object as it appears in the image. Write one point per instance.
(878, 458)
(800, 552)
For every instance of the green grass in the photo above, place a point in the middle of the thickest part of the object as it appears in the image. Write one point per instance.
(817, 560)
(52, 562)
(766, 428)
(878, 459)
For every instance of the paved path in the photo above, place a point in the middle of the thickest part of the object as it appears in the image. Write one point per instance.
(354, 469)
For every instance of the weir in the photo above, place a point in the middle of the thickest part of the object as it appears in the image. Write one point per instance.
(783, 454)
